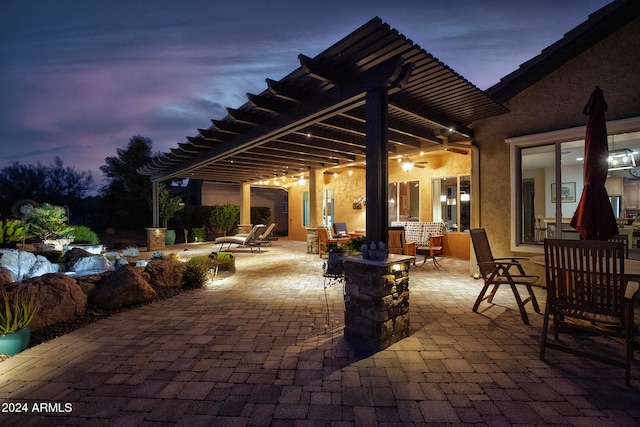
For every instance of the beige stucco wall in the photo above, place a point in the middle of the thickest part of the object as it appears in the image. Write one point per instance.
(349, 184)
(554, 103)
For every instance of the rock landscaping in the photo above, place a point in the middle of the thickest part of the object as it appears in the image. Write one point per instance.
(69, 301)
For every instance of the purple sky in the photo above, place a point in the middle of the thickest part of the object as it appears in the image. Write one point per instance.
(79, 78)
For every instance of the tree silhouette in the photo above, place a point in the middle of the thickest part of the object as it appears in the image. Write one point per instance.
(127, 195)
(54, 184)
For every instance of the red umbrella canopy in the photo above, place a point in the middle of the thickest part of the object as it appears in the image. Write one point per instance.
(594, 218)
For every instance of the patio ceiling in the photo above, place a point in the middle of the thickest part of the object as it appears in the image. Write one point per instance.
(314, 117)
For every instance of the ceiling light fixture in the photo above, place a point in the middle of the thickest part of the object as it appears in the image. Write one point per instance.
(621, 159)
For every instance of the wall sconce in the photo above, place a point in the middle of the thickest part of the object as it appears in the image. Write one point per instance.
(464, 197)
(443, 198)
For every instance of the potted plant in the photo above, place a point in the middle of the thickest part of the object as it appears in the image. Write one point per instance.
(17, 310)
(168, 206)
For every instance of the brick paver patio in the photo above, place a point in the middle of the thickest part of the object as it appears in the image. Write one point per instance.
(256, 349)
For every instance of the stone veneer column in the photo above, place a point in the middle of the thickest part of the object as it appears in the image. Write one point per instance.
(312, 240)
(377, 300)
(155, 239)
(244, 228)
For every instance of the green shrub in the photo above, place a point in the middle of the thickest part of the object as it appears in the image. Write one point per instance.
(196, 271)
(49, 222)
(11, 232)
(84, 235)
(198, 234)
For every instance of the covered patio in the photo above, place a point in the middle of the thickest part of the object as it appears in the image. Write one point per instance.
(371, 97)
(256, 349)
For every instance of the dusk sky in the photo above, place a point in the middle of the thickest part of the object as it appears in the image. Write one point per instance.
(79, 78)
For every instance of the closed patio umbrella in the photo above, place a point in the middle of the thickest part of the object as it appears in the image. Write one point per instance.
(594, 218)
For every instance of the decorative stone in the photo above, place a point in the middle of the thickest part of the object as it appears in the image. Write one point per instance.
(92, 264)
(312, 240)
(72, 256)
(165, 273)
(377, 300)
(25, 264)
(60, 298)
(155, 239)
(5, 276)
(124, 286)
(92, 249)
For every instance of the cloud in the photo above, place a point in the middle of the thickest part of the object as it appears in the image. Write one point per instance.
(95, 74)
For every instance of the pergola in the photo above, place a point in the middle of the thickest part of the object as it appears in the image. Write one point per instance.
(371, 95)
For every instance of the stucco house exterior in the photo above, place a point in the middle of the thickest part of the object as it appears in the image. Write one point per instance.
(545, 98)
(493, 168)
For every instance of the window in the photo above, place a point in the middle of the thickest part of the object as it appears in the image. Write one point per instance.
(404, 201)
(452, 201)
(328, 207)
(548, 178)
(305, 209)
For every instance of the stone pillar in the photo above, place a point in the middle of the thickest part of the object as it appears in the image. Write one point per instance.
(155, 239)
(312, 240)
(376, 300)
(244, 228)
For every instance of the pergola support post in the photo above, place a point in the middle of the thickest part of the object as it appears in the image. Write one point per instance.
(377, 169)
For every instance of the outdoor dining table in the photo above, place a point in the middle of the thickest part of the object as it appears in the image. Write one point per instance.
(631, 266)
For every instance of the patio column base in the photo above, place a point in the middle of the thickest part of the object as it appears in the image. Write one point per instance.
(376, 301)
(312, 240)
(155, 239)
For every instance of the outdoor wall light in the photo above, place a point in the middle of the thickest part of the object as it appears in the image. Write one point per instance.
(464, 197)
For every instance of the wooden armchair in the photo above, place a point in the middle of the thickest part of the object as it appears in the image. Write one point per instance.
(625, 240)
(325, 237)
(587, 291)
(397, 243)
(500, 271)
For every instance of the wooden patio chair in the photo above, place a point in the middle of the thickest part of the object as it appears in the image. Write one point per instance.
(501, 271)
(397, 243)
(625, 240)
(587, 291)
(325, 237)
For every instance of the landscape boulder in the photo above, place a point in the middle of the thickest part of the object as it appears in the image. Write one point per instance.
(72, 256)
(165, 273)
(60, 297)
(92, 264)
(5, 276)
(124, 286)
(25, 264)
(89, 282)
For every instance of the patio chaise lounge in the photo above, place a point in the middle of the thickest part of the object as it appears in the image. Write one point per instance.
(250, 239)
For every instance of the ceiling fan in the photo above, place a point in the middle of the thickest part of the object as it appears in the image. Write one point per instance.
(408, 164)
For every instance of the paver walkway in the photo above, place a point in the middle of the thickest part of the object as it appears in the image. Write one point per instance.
(256, 349)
